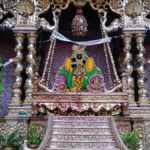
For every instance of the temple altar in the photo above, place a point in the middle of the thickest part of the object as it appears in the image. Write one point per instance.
(80, 72)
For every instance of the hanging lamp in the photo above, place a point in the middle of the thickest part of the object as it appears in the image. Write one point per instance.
(79, 24)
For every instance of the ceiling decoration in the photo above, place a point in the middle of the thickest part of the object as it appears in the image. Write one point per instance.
(59, 5)
(26, 13)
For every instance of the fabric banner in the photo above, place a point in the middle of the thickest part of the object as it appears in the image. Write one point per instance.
(59, 36)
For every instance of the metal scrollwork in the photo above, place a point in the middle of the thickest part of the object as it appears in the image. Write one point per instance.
(116, 24)
(8, 23)
(43, 5)
(44, 24)
(5, 7)
(99, 5)
(116, 6)
(59, 5)
(2, 12)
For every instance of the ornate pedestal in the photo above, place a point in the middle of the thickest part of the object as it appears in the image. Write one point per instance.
(80, 103)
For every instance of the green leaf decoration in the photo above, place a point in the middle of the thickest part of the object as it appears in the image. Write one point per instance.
(33, 137)
(2, 139)
(131, 140)
(13, 139)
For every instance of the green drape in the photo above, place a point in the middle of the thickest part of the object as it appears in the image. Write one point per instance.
(85, 80)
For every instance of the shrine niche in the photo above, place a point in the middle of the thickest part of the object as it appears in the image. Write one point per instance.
(79, 87)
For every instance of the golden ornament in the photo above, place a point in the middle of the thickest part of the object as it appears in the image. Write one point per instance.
(134, 8)
(25, 8)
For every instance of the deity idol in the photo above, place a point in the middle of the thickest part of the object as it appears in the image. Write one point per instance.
(79, 73)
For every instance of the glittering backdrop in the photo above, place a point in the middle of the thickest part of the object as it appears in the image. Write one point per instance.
(6, 52)
(148, 67)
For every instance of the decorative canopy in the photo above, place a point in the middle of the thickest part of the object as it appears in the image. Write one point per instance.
(26, 13)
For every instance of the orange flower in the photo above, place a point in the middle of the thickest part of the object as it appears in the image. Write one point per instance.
(90, 64)
(68, 65)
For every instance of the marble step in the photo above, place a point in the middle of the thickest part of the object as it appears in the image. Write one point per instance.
(80, 130)
(81, 118)
(81, 137)
(81, 144)
(81, 124)
(102, 148)
(81, 133)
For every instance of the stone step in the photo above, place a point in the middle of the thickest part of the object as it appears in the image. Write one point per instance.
(82, 130)
(80, 118)
(81, 133)
(66, 127)
(80, 144)
(81, 137)
(84, 121)
(81, 124)
(102, 148)
(85, 134)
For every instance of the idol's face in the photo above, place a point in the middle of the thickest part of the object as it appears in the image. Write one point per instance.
(79, 56)
(78, 60)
